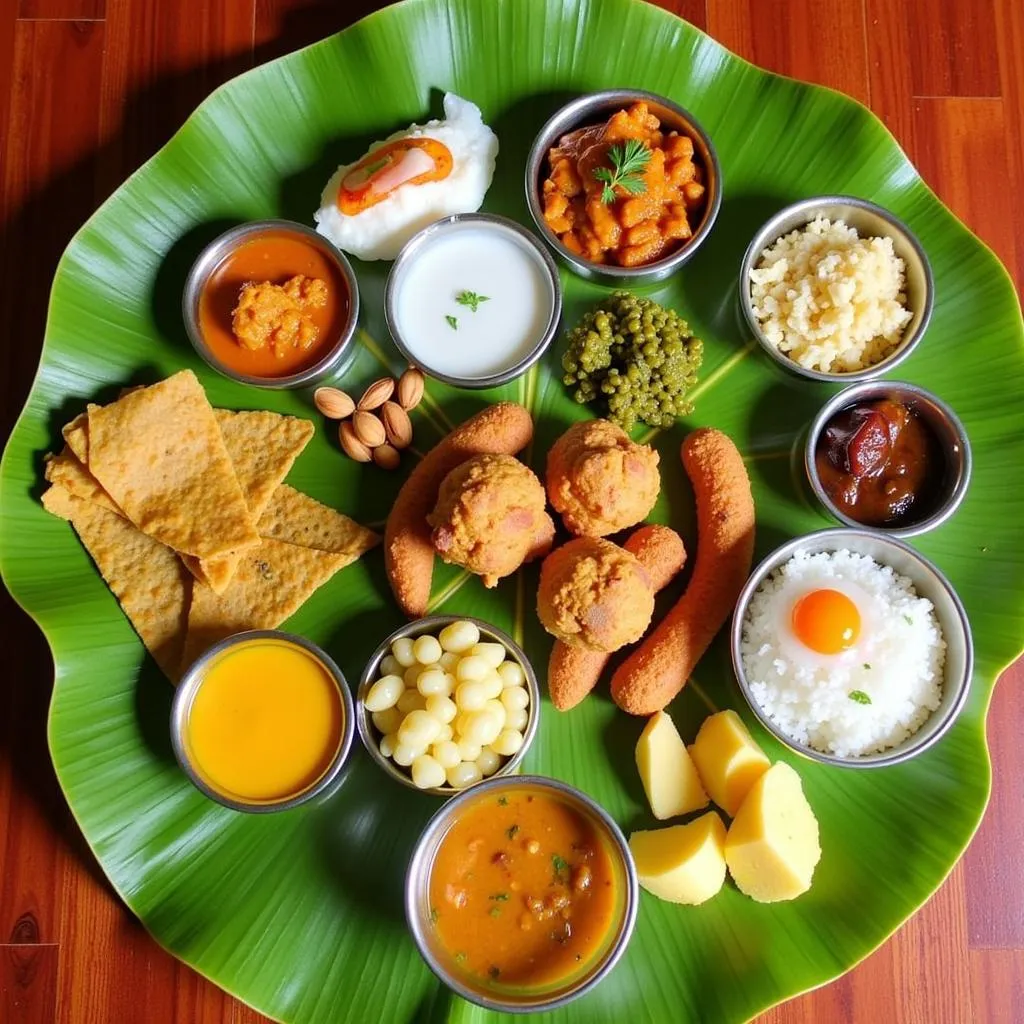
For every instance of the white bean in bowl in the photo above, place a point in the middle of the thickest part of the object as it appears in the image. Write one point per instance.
(451, 710)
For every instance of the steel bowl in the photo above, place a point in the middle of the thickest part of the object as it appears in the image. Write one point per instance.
(434, 624)
(189, 687)
(339, 355)
(417, 899)
(595, 107)
(461, 222)
(929, 582)
(936, 414)
(870, 220)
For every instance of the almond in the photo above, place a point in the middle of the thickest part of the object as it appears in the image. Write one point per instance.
(377, 394)
(351, 445)
(397, 424)
(368, 428)
(386, 457)
(410, 388)
(334, 404)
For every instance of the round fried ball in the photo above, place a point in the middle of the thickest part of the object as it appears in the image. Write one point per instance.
(601, 481)
(490, 517)
(594, 595)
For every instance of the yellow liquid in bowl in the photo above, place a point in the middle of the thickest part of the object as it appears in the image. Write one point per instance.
(265, 723)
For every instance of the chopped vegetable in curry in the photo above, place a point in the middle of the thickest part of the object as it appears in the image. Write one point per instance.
(623, 191)
(523, 889)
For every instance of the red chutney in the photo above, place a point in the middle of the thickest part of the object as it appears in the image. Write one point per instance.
(275, 257)
(880, 463)
(523, 890)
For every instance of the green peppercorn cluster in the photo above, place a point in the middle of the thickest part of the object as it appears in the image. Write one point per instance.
(636, 356)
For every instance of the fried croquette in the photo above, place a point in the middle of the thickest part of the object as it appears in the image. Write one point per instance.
(595, 595)
(501, 429)
(601, 481)
(574, 672)
(490, 517)
(659, 668)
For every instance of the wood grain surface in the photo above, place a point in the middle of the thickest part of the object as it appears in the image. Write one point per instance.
(91, 88)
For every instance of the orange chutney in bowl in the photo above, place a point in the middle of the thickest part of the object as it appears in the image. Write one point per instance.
(275, 258)
(523, 891)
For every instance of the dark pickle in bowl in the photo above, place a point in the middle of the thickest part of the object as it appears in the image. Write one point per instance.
(881, 464)
(523, 892)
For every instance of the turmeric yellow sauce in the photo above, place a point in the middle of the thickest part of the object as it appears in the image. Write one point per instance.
(265, 723)
(523, 891)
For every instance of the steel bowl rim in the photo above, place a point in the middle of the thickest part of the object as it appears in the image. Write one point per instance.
(210, 258)
(189, 685)
(435, 623)
(769, 233)
(950, 504)
(567, 116)
(822, 540)
(408, 253)
(418, 874)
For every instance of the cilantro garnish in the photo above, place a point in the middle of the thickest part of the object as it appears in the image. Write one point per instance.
(628, 164)
(471, 299)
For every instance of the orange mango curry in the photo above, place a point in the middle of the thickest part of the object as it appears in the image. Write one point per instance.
(623, 191)
(273, 306)
(522, 890)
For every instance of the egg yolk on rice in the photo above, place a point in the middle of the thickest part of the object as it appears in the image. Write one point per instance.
(826, 621)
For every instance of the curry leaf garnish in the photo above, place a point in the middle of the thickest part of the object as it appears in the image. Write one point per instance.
(502, 801)
(471, 299)
(453, 322)
(628, 164)
(867, 665)
(495, 911)
(459, 957)
(859, 696)
(909, 620)
(512, 832)
(494, 972)
(561, 866)
(500, 896)
(433, 915)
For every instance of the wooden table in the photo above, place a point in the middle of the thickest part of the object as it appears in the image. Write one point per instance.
(93, 87)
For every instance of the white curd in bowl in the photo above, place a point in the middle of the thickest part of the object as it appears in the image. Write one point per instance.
(472, 299)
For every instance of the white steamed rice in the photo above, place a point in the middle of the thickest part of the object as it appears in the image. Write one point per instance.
(897, 661)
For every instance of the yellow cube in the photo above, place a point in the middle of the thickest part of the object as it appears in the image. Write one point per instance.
(666, 770)
(728, 760)
(682, 863)
(772, 847)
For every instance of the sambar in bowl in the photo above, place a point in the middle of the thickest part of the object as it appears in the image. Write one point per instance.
(521, 894)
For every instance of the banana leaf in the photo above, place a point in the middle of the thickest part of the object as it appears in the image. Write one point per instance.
(299, 914)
